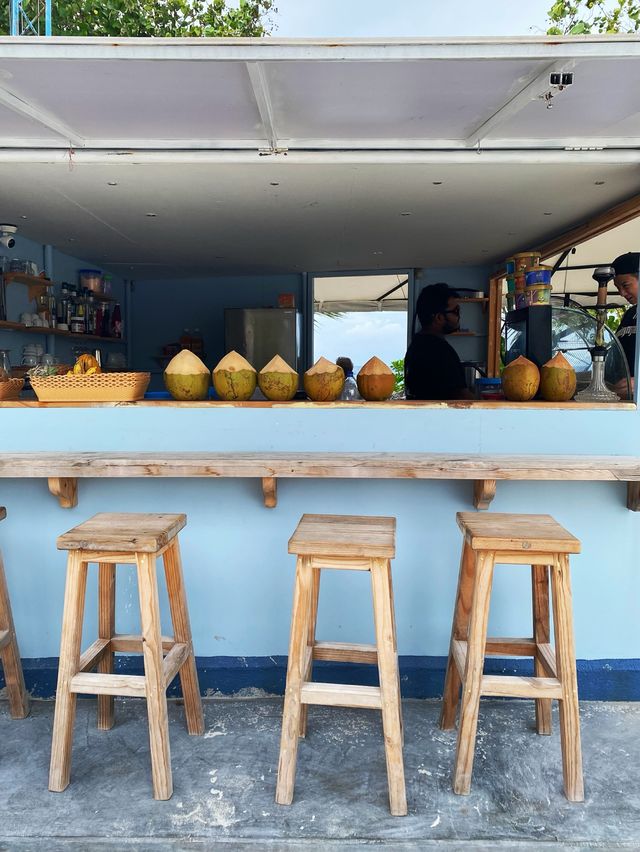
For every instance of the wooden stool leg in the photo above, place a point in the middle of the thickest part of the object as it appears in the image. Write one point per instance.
(154, 676)
(462, 608)
(10, 655)
(566, 663)
(296, 668)
(65, 710)
(106, 630)
(395, 639)
(311, 638)
(182, 633)
(541, 635)
(389, 684)
(473, 673)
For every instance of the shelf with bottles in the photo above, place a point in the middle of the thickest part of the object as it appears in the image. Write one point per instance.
(43, 330)
(36, 284)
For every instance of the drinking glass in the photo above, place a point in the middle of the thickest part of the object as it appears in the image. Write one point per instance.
(5, 362)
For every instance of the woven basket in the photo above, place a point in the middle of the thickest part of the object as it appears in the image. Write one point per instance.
(98, 387)
(10, 389)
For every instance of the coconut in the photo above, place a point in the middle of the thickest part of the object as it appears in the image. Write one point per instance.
(234, 378)
(324, 381)
(277, 380)
(186, 377)
(557, 380)
(376, 381)
(520, 380)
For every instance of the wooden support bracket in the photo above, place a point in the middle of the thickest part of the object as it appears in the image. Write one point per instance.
(65, 489)
(633, 496)
(484, 490)
(270, 491)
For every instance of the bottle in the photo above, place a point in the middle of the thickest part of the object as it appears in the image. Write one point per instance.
(185, 339)
(116, 322)
(53, 310)
(106, 321)
(61, 308)
(97, 320)
(350, 389)
(91, 313)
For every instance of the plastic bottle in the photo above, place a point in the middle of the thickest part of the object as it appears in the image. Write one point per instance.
(350, 389)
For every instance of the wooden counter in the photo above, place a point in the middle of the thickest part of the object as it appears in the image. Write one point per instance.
(390, 404)
(63, 469)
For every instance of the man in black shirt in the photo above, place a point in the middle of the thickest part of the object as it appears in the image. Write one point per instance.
(627, 268)
(432, 368)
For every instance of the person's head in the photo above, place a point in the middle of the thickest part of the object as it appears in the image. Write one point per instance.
(627, 268)
(345, 363)
(438, 309)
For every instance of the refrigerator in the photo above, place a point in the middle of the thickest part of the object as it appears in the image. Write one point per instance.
(260, 333)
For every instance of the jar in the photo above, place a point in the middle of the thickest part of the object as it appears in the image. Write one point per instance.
(489, 389)
(77, 325)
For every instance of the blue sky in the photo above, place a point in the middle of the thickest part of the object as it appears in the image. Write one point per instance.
(354, 18)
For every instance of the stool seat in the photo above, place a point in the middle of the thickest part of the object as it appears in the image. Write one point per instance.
(503, 531)
(347, 535)
(343, 542)
(111, 540)
(538, 541)
(120, 532)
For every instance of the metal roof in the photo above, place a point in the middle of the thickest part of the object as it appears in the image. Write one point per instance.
(292, 154)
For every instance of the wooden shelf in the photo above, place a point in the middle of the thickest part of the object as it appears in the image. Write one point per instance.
(35, 284)
(16, 326)
(475, 299)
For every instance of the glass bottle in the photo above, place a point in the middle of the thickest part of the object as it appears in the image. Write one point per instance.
(5, 363)
(116, 321)
(53, 310)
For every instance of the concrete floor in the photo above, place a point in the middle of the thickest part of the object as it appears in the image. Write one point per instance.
(224, 783)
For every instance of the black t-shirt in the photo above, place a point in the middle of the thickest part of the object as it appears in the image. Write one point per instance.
(626, 334)
(432, 369)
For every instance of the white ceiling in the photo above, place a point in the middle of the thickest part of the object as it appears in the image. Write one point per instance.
(96, 134)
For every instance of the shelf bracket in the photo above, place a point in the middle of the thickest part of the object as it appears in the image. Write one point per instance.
(65, 489)
(633, 496)
(484, 490)
(270, 491)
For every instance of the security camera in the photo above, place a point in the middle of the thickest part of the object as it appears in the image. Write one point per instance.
(6, 235)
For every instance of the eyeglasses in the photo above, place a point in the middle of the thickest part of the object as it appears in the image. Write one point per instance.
(455, 311)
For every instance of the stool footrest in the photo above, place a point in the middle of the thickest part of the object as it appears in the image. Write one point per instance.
(509, 685)
(508, 647)
(92, 656)
(130, 643)
(345, 652)
(109, 684)
(341, 695)
(521, 687)
(5, 638)
(174, 661)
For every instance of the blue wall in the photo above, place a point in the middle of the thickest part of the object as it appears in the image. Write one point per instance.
(238, 574)
(162, 309)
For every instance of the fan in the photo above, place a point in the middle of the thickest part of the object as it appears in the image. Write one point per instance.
(573, 332)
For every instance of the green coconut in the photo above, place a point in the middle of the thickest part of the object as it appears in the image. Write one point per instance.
(324, 381)
(557, 380)
(520, 380)
(187, 377)
(277, 380)
(234, 378)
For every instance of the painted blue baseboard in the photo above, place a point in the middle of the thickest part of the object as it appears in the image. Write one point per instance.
(421, 677)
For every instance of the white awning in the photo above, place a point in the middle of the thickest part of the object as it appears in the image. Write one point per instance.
(288, 155)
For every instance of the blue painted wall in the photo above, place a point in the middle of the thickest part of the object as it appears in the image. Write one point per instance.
(162, 309)
(238, 574)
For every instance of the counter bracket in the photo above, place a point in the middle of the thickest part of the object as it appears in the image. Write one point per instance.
(65, 489)
(484, 490)
(270, 491)
(633, 496)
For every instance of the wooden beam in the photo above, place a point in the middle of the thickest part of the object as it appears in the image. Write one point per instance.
(600, 224)
(5, 638)
(130, 644)
(174, 661)
(109, 684)
(65, 489)
(341, 695)
(345, 652)
(94, 653)
(484, 490)
(521, 687)
(270, 491)
(633, 496)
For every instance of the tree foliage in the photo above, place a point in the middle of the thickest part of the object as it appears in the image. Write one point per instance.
(165, 19)
(582, 17)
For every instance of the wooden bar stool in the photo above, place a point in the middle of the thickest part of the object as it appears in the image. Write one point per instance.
(538, 541)
(345, 543)
(109, 540)
(9, 653)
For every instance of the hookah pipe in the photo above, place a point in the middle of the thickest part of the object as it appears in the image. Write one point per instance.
(597, 390)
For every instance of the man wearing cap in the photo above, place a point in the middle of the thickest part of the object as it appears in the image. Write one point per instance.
(627, 268)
